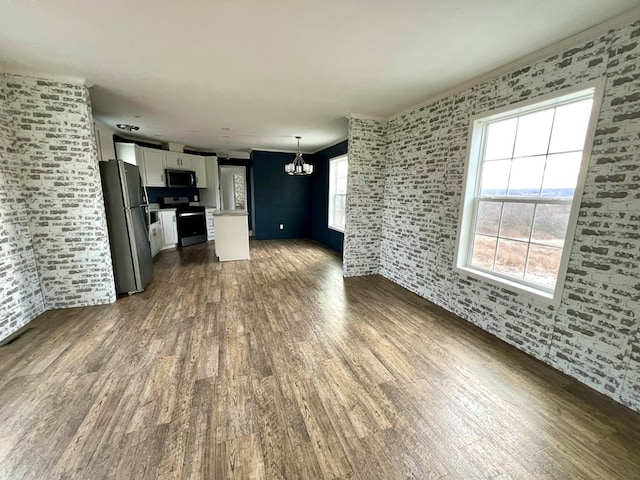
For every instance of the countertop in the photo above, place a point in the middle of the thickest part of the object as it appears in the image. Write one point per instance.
(230, 213)
(200, 204)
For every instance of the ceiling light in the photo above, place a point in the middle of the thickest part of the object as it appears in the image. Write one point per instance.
(127, 127)
(298, 166)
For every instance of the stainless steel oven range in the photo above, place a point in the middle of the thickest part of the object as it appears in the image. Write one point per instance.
(192, 226)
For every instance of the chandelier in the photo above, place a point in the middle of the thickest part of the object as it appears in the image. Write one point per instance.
(298, 166)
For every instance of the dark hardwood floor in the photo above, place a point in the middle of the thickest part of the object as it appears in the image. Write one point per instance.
(279, 368)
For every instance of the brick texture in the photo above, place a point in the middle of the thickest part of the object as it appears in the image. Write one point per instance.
(593, 334)
(365, 196)
(19, 284)
(55, 189)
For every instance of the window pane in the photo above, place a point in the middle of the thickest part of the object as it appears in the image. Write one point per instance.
(526, 176)
(516, 221)
(561, 174)
(500, 139)
(238, 191)
(511, 257)
(341, 185)
(342, 168)
(521, 200)
(533, 133)
(495, 177)
(488, 219)
(550, 224)
(543, 265)
(484, 250)
(570, 126)
(338, 169)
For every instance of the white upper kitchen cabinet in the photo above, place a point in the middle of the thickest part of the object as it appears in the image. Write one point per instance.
(127, 153)
(104, 142)
(179, 161)
(153, 165)
(201, 171)
(210, 196)
(151, 162)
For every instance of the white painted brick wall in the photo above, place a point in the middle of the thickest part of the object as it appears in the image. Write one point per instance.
(593, 335)
(58, 183)
(365, 196)
(19, 284)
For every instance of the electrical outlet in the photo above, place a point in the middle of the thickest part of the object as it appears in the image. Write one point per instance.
(282, 226)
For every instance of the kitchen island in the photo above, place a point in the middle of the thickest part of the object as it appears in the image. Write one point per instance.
(232, 234)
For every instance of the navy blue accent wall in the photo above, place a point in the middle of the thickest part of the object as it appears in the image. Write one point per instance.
(280, 198)
(320, 197)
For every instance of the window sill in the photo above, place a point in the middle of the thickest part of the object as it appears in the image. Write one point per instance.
(337, 229)
(542, 296)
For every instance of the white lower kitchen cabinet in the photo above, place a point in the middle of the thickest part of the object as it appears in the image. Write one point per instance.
(169, 227)
(210, 223)
(156, 238)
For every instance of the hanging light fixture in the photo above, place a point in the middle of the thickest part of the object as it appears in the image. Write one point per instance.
(298, 166)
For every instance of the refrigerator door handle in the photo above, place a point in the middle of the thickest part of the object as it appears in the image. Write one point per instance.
(148, 208)
(148, 224)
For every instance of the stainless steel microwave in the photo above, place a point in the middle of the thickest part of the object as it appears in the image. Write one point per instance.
(180, 178)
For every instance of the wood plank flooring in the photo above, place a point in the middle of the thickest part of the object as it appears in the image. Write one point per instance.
(280, 368)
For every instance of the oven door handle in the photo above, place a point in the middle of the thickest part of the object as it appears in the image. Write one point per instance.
(190, 214)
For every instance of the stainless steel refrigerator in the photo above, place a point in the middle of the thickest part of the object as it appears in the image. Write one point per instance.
(126, 205)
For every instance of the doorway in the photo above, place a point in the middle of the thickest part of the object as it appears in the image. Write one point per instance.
(233, 187)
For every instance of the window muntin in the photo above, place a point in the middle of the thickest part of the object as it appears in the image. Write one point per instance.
(524, 172)
(338, 171)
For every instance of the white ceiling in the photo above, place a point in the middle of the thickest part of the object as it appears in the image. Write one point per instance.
(239, 74)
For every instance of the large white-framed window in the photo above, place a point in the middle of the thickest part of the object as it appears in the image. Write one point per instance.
(338, 171)
(524, 179)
